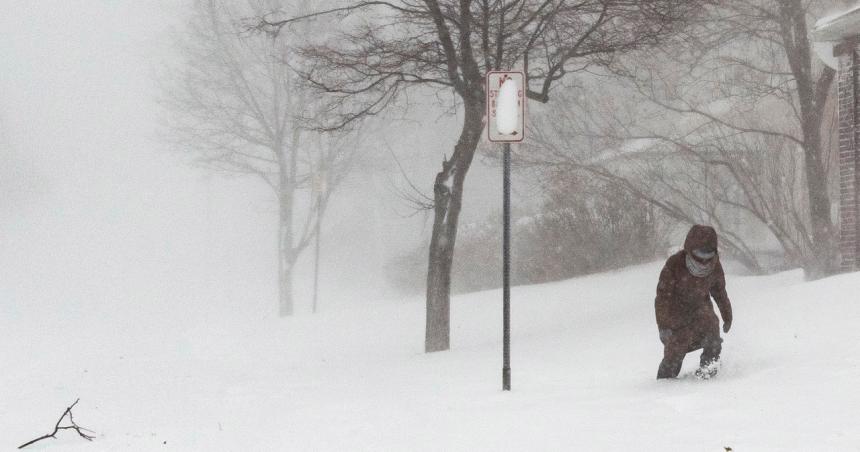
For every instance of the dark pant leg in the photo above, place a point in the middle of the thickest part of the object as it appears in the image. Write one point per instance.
(674, 350)
(670, 367)
(712, 346)
(712, 343)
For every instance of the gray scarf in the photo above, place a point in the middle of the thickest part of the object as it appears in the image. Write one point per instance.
(699, 269)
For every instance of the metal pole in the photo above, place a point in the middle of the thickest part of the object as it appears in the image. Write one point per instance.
(506, 271)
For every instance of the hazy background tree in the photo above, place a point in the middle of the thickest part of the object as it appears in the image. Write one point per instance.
(730, 126)
(578, 225)
(237, 106)
(386, 47)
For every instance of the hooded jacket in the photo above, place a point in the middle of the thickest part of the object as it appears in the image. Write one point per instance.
(684, 300)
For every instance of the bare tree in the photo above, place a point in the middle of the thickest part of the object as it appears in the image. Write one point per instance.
(735, 127)
(236, 106)
(386, 47)
(688, 186)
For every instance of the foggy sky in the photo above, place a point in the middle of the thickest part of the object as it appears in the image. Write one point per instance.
(101, 213)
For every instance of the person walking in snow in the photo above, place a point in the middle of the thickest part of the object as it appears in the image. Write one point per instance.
(685, 316)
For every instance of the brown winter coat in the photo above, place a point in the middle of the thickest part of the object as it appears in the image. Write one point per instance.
(683, 303)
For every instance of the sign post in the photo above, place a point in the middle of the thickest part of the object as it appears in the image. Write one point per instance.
(506, 124)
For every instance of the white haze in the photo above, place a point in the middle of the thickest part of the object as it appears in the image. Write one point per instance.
(97, 211)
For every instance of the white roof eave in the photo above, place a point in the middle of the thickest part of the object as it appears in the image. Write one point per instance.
(838, 27)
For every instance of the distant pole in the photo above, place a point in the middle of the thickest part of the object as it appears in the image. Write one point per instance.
(506, 271)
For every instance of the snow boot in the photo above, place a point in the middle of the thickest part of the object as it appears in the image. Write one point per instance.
(708, 371)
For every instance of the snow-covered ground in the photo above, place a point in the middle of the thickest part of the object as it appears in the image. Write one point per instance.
(173, 376)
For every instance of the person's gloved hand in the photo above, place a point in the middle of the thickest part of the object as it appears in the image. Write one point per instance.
(727, 326)
(665, 334)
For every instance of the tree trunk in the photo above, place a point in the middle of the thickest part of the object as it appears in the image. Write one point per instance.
(824, 255)
(286, 253)
(285, 291)
(823, 261)
(812, 97)
(285, 258)
(447, 197)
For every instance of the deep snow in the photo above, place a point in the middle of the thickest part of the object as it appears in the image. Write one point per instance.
(585, 353)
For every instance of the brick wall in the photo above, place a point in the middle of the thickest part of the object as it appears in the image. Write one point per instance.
(849, 157)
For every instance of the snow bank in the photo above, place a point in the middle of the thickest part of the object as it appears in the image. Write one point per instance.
(585, 353)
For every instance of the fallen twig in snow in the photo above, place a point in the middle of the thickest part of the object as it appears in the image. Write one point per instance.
(58, 427)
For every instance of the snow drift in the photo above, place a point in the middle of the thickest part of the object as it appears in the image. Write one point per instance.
(585, 353)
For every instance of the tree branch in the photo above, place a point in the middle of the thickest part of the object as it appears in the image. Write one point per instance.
(57, 427)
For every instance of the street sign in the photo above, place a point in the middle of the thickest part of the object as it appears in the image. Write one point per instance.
(506, 119)
(506, 106)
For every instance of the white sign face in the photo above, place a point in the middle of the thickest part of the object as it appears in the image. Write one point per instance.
(506, 106)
